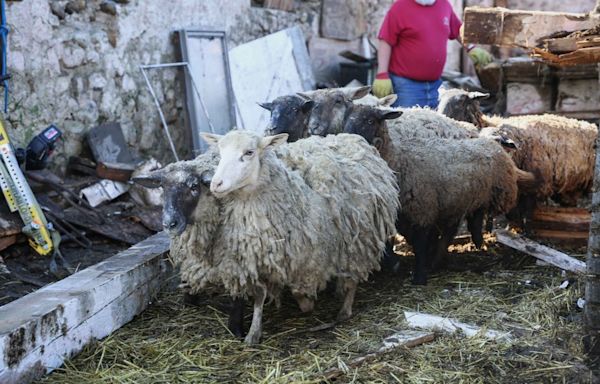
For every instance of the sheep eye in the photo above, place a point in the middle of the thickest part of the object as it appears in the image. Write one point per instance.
(370, 122)
(295, 109)
(194, 187)
(249, 153)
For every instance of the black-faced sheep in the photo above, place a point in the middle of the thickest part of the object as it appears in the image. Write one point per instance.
(559, 150)
(191, 217)
(329, 108)
(441, 181)
(318, 209)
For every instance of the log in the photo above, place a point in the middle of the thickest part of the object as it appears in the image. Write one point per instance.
(406, 338)
(591, 310)
(445, 324)
(540, 251)
(527, 29)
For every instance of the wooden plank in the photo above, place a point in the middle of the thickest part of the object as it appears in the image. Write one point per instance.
(540, 251)
(446, 324)
(501, 26)
(561, 219)
(406, 338)
(40, 330)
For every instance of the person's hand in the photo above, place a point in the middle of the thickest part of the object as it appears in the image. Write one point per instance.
(480, 57)
(382, 86)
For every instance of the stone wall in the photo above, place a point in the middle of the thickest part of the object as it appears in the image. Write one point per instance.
(75, 63)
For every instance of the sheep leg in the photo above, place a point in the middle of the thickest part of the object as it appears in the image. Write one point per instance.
(349, 288)
(489, 222)
(439, 257)
(420, 249)
(236, 317)
(475, 226)
(255, 332)
(390, 260)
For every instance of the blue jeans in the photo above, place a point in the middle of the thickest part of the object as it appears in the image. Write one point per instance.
(413, 93)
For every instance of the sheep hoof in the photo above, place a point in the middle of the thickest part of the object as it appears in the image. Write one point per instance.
(343, 316)
(252, 338)
(419, 280)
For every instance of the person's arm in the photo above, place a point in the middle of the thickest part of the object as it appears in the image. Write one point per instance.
(384, 53)
(479, 56)
(382, 85)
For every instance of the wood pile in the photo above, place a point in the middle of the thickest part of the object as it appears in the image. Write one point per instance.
(565, 225)
(567, 49)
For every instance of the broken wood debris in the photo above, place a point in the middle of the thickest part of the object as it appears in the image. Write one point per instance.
(405, 338)
(445, 324)
(540, 251)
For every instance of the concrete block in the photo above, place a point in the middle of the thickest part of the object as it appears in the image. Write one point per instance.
(39, 331)
(578, 96)
(343, 19)
(524, 98)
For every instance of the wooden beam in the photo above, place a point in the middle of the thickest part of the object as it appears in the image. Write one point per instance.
(40, 330)
(501, 26)
(591, 310)
(406, 338)
(540, 251)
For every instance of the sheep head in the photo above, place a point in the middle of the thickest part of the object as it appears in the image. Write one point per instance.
(289, 114)
(462, 105)
(330, 108)
(240, 152)
(182, 185)
(369, 122)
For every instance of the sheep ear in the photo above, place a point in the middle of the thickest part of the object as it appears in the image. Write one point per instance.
(478, 95)
(304, 95)
(206, 177)
(357, 93)
(151, 180)
(388, 100)
(273, 141)
(267, 106)
(389, 115)
(211, 138)
(307, 105)
(378, 143)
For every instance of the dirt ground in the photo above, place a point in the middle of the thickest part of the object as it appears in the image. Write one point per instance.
(29, 270)
(496, 288)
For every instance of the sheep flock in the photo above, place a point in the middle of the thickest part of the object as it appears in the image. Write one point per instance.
(319, 197)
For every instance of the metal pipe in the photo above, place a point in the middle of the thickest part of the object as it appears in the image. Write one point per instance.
(160, 112)
(165, 65)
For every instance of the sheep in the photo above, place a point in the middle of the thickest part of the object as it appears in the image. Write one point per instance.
(191, 217)
(441, 181)
(289, 114)
(305, 213)
(298, 227)
(323, 112)
(330, 106)
(559, 149)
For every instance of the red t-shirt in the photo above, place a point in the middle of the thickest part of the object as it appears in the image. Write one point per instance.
(418, 35)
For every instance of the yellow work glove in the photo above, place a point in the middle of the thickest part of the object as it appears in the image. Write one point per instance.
(480, 57)
(382, 86)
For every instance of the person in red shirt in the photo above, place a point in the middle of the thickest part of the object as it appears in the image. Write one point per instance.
(412, 51)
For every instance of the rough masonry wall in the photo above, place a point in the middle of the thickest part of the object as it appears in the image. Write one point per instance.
(75, 63)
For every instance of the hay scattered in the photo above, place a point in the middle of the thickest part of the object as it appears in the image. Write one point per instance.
(174, 343)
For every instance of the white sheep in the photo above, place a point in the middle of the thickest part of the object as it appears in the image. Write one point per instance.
(291, 217)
